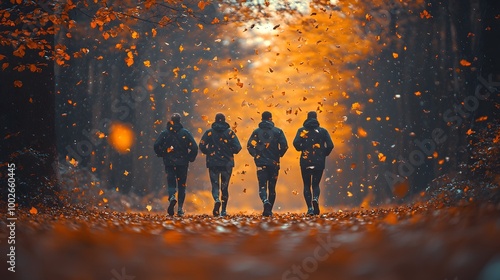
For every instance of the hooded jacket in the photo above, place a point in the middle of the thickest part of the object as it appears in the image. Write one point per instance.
(267, 144)
(220, 144)
(176, 145)
(314, 144)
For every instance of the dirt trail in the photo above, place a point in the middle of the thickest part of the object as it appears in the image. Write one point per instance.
(406, 242)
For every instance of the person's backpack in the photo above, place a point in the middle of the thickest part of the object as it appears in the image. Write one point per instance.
(265, 137)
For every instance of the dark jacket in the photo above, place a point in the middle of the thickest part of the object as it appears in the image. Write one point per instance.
(220, 144)
(176, 145)
(314, 143)
(267, 144)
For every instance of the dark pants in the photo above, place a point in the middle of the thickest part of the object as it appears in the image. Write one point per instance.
(176, 179)
(219, 177)
(311, 178)
(267, 176)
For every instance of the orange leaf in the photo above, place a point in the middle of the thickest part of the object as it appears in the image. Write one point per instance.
(33, 211)
(18, 83)
(215, 21)
(201, 5)
(5, 65)
(465, 63)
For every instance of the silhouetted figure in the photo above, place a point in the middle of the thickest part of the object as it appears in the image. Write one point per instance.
(177, 147)
(314, 144)
(220, 144)
(267, 145)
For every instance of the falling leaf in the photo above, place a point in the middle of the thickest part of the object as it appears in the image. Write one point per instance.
(215, 21)
(303, 133)
(185, 113)
(18, 83)
(362, 132)
(425, 14)
(5, 65)
(395, 55)
(276, 26)
(101, 192)
(465, 63)
(204, 117)
(349, 194)
(147, 63)
(381, 157)
(418, 93)
(33, 211)
(126, 173)
(201, 5)
(181, 48)
(149, 207)
(135, 35)
(73, 162)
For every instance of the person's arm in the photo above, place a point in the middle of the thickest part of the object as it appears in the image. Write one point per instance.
(204, 143)
(159, 144)
(193, 148)
(328, 143)
(283, 144)
(298, 141)
(234, 142)
(252, 144)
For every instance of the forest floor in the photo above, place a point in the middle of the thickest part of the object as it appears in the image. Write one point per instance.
(452, 234)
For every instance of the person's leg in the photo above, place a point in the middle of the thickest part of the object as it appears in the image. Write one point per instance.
(181, 172)
(171, 186)
(306, 179)
(316, 179)
(262, 178)
(225, 178)
(272, 179)
(214, 180)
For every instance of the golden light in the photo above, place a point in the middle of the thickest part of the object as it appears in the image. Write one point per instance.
(121, 137)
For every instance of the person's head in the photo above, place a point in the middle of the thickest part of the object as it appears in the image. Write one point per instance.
(267, 116)
(312, 115)
(219, 117)
(176, 118)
